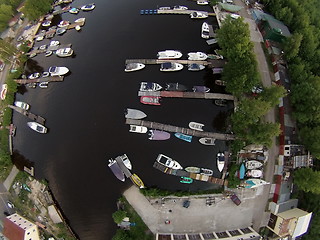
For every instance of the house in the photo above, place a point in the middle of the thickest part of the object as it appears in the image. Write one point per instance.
(16, 227)
(294, 223)
(295, 156)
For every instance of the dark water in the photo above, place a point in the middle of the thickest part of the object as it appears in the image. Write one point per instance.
(85, 112)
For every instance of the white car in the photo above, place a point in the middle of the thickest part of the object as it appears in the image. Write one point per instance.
(10, 204)
(138, 129)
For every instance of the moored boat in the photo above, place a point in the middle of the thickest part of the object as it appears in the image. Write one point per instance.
(4, 90)
(242, 171)
(207, 141)
(175, 87)
(61, 30)
(43, 84)
(202, 2)
(130, 67)
(192, 169)
(152, 100)
(220, 161)
(217, 70)
(186, 180)
(255, 173)
(48, 53)
(220, 102)
(202, 89)
(126, 161)
(196, 126)
(37, 127)
(46, 23)
(184, 137)
(205, 30)
(205, 171)
(168, 162)
(63, 23)
(197, 14)
(80, 20)
(58, 71)
(215, 56)
(64, 52)
(22, 105)
(169, 54)
(170, 67)
(254, 182)
(195, 67)
(88, 7)
(113, 165)
(220, 82)
(138, 129)
(253, 164)
(197, 56)
(158, 135)
(179, 7)
(150, 87)
(137, 181)
(134, 114)
(74, 10)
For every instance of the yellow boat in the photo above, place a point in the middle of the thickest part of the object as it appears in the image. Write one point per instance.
(136, 180)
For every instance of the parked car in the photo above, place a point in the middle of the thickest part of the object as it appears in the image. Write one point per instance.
(186, 203)
(10, 204)
(235, 199)
(2, 65)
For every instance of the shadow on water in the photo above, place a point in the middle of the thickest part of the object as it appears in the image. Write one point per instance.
(22, 89)
(33, 66)
(20, 161)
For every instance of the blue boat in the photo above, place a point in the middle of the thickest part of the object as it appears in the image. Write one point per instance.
(186, 180)
(242, 171)
(184, 137)
(141, 11)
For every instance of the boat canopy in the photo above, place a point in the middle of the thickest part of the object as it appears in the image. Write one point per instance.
(167, 65)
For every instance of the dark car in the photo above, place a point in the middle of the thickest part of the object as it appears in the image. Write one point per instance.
(235, 199)
(186, 203)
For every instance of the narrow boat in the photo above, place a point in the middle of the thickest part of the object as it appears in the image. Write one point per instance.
(61, 30)
(170, 67)
(254, 182)
(43, 47)
(168, 162)
(255, 173)
(253, 164)
(158, 135)
(150, 87)
(215, 56)
(22, 105)
(196, 126)
(205, 171)
(242, 171)
(220, 102)
(220, 161)
(37, 127)
(220, 82)
(134, 114)
(178, 7)
(45, 74)
(192, 169)
(137, 181)
(202, 89)
(138, 129)
(48, 53)
(202, 2)
(212, 41)
(113, 165)
(164, 8)
(64, 52)
(195, 67)
(186, 180)
(175, 87)
(58, 71)
(43, 84)
(217, 70)
(46, 23)
(169, 54)
(130, 67)
(54, 43)
(152, 100)
(126, 161)
(74, 10)
(63, 23)
(205, 30)
(207, 141)
(88, 7)
(197, 56)
(198, 15)
(4, 90)
(32, 85)
(34, 75)
(184, 137)
(80, 20)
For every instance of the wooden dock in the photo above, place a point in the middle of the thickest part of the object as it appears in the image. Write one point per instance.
(124, 169)
(49, 48)
(47, 79)
(172, 11)
(173, 94)
(73, 25)
(195, 176)
(30, 115)
(175, 129)
(159, 61)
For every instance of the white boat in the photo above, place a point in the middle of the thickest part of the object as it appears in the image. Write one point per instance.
(37, 127)
(88, 7)
(126, 161)
(158, 135)
(58, 71)
(74, 10)
(46, 23)
(63, 23)
(34, 75)
(78, 28)
(149, 87)
(220, 161)
(254, 182)
(193, 169)
(113, 165)
(80, 20)
(205, 171)
(170, 67)
(61, 30)
(169, 54)
(168, 162)
(255, 173)
(253, 164)
(202, 2)
(64, 52)
(207, 141)
(45, 74)
(234, 16)
(130, 67)
(54, 43)
(197, 56)
(43, 84)
(196, 126)
(212, 41)
(205, 30)
(48, 53)
(195, 67)
(198, 15)
(138, 129)
(22, 105)
(134, 114)
(178, 7)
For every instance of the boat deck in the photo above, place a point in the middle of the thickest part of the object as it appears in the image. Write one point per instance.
(123, 168)
(47, 79)
(30, 115)
(188, 131)
(174, 94)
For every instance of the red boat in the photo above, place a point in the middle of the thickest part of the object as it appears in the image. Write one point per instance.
(152, 100)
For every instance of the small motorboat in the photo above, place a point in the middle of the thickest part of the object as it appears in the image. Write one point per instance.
(43, 84)
(158, 135)
(255, 173)
(40, 38)
(113, 165)
(88, 7)
(242, 171)
(202, 89)
(45, 74)
(205, 171)
(130, 67)
(78, 28)
(212, 41)
(150, 87)
(64, 52)
(253, 164)
(220, 161)
(202, 2)
(220, 82)
(184, 137)
(197, 56)
(178, 7)
(48, 53)
(195, 67)
(207, 141)
(43, 47)
(215, 56)
(37, 127)
(164, 8)
(198, 15)
(217, 70)
(170, 67)
(175, 87)
(80, 20)
(152, 100)
(137, 181)
(22, 105)
(196, 126)
(168, 162)
(46, 23)
(32, 85)
(169, 54)
(126, 161)
(74, 10)
(220, 102)
(58, 71)
(4, 90)
(186, 180)
(134, 114)
(61, 30)
(192, 169)
(63, 23)
(138, 129)
(54, 43)
(34, 75)
(205, 30)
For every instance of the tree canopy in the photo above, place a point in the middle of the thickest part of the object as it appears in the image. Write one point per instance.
(33, 9)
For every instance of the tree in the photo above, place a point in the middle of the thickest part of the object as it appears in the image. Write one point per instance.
(121, 235)
(262, 133)
(7, 50)
(118, 216)
(33, 9)
(307, 180)
(311, 139)
(273, 94)
(292, 46)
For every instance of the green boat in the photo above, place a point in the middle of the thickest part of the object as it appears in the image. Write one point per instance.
(186, 180)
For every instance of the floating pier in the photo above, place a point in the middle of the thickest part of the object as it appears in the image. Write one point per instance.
(47, 79)
(49, 48)
(124, 169)
(175, 129)
(195, 176)
(30, 115)
(173, 94)
(159, 61)
(172, 11)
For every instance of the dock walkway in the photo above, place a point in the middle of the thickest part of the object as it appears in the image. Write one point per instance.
(172, 11)
(175, 129)
(47, 79)
(123, 168)
(49, 48)
(30, 115)
(159, 61)
(174, 94)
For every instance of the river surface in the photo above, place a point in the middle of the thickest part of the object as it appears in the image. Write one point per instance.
(85, 112)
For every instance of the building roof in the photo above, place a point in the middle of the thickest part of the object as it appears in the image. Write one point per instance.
(230, 7)
(302, 225)
(12, 231)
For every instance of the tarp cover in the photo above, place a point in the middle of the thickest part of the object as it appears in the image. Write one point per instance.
(230, 7)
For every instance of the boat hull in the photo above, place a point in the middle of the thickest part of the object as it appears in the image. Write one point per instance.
(196, 126)
(184, 137)
(137, 181)
(113, 165)
(253, 164)
(192, 169)
(134, 114)
(131, 67)
(37, 127)
(159, 135)
(152, 100)
(207, 141)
